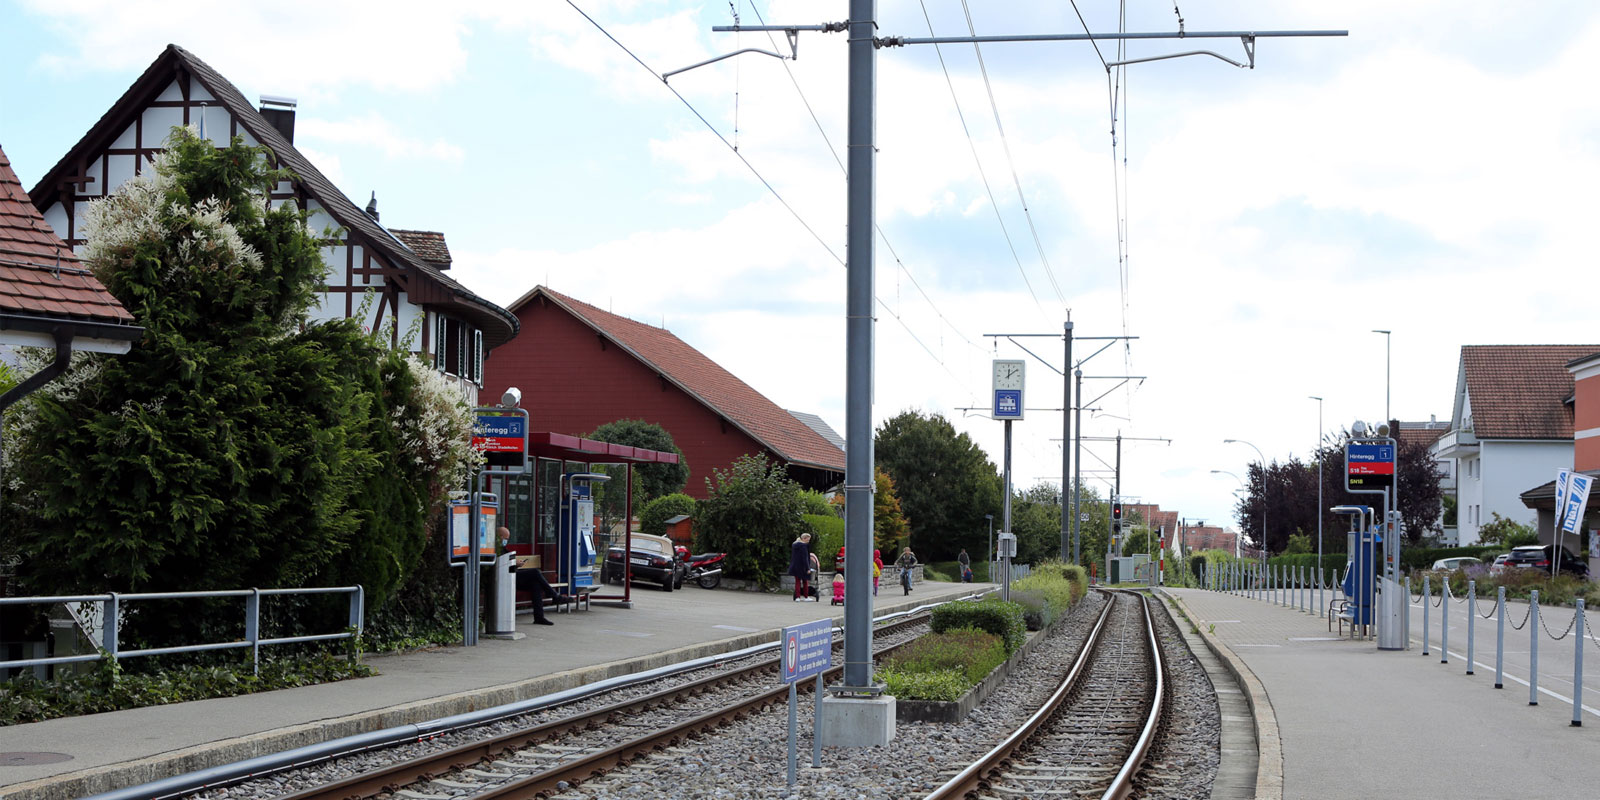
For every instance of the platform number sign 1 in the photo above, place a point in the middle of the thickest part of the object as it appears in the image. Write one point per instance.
(1008, 389)
(1368, 467)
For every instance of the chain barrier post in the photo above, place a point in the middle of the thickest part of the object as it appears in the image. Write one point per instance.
(1533, 648)
(1500, 639)
(1577, 669)
(1472, 620)
(1405, 621)
(1444, 621)
(1427, 597)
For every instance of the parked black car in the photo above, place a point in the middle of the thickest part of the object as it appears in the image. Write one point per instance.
(1536, 556)
(651, 558)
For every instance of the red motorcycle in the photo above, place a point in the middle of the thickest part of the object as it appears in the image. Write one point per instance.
(704, 569)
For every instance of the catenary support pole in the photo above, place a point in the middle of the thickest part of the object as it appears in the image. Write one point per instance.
(1077, 478)
(1068, 543)
(1005, 560)
(859, 343)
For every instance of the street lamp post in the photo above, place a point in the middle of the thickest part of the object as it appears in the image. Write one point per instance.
(1387, 339)
(1320, 609)
(1263, 458)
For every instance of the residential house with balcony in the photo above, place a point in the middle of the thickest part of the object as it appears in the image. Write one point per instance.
(1511, 427)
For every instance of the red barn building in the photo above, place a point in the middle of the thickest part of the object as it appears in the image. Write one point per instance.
(580, 367)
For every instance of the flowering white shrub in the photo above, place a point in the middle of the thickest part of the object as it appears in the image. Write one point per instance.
(436, 430)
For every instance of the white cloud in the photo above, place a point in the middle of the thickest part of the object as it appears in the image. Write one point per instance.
(373, 131)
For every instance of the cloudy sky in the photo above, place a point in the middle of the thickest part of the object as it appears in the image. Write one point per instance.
(1433, 174)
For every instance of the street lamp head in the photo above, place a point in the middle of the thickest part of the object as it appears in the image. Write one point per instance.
(1385, 333)
(1358, 428)
(988, 516)
(1383, 429)
(1314, 397)
(512, 398)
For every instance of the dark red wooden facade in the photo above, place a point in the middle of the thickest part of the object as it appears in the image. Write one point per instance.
(575, 379)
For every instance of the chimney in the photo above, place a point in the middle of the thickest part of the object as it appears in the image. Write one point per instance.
(372, 207)
(280, 112)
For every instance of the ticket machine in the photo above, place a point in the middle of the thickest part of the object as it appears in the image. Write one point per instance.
(580, 559)
(1359, 578)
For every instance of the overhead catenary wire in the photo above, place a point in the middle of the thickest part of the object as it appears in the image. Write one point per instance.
(770, 188)
(1005, 145)
(982, 175)
(833, 151)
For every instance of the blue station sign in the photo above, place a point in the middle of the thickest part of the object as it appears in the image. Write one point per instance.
(807, 650)
(1369, 467)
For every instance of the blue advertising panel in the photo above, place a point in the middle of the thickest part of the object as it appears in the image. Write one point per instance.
(807, 649)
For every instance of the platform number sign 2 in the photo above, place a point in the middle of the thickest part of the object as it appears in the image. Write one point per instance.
(1008, 389)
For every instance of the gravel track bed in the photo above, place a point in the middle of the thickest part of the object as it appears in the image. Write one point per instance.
(748, 759)
(344, 767)
(1188, 749)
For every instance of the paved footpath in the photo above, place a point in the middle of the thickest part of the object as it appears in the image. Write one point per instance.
(125, 748)
(1354, 722)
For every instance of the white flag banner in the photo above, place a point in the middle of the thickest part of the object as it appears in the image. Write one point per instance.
(1562, 476)
(1577, 501)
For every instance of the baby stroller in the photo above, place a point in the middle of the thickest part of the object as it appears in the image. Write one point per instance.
(838, 593)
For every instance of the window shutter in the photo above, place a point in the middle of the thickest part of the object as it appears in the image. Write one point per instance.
(477, 358)
(438, 342)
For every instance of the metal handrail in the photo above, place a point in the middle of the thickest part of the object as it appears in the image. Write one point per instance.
(111, 603)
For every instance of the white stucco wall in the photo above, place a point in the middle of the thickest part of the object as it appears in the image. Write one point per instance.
(1509, 469)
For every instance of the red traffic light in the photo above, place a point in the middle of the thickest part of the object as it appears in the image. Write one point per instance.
(1116, 511)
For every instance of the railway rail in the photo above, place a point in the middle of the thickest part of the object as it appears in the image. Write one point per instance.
(1089, 739)
(546, 758)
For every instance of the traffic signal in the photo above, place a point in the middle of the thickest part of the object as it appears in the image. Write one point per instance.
(1116, 511)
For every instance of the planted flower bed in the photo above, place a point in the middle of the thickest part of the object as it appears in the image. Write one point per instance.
(975, 645)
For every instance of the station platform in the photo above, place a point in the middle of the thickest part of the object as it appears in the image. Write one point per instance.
(126, 748)
(1345, 720)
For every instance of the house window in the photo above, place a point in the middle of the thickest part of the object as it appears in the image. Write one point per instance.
(458, 349)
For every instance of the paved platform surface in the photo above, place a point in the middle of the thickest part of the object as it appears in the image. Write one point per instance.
(125, 748)
(1354, 722)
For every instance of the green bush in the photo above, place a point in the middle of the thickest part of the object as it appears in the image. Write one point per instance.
(752, 513)
(653, 517)
(27, 700)
(991, 614)
(974, 653)
(1057, 592)
(945, 685)
(827, 536)
(816, 503)
(1036, 612)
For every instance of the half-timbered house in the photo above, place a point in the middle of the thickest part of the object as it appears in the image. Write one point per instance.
(398, 278)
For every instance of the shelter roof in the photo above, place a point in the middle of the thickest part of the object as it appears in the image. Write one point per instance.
(703, 379)
(429, 284)
(39, 274)
(1520, 391)
(576, 448)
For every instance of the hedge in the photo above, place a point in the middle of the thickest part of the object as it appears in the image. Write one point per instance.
(991, 615)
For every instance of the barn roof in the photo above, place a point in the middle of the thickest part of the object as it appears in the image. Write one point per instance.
(703, 379)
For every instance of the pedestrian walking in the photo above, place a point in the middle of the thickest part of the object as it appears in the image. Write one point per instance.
(966, 566)
(906, 562)
(800, 566)
(877, 570)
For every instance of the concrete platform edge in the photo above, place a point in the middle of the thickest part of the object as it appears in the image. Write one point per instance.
(69, 786)
(1269, 747)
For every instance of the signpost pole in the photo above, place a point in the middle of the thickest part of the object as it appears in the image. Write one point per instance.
(794, 730)
(816, 723)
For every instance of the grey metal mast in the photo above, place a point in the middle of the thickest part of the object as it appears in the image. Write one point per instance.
(859, 347)
(1068, 548)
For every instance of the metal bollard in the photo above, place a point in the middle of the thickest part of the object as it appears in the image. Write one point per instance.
(1472, 620)
(1577, 669)
(1444, 621)
(1427, 593)
(1533, 648)
(1405, 621)
(1500, 639)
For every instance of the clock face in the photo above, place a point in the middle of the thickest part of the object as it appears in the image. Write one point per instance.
(1008, 374)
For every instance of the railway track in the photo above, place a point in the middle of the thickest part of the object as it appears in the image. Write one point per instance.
(547, 758)
(1090, 738)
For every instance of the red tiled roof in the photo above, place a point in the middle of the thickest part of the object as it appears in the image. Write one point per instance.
(722, 392)
(1425, 433)
(428, 245)
(1519, 391)
(39, 275)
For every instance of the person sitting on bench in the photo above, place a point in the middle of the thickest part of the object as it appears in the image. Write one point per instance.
(532, 580)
